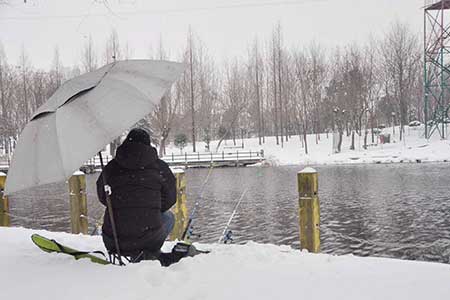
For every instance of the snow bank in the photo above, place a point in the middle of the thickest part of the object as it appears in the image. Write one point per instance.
(251, 271)
(414, 148)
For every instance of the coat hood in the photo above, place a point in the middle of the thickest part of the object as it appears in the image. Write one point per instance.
(135, 155)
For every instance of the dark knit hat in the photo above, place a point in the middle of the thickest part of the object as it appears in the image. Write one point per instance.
(138, 135)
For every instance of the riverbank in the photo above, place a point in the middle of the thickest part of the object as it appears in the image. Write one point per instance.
(412, 149)
(251, 271)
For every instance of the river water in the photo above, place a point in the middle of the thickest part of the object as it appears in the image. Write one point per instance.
(400, 211)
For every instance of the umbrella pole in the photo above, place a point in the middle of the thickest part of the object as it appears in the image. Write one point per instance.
(110, 210)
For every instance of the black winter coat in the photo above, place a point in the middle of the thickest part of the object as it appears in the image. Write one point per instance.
(142, 188)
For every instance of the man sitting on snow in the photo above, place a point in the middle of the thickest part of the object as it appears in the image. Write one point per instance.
(143, 190)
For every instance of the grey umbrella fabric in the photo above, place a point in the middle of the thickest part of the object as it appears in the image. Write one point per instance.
(85, 114)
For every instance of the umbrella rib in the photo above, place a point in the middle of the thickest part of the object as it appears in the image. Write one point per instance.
(76, 96)
(80, 93)
(90, 112)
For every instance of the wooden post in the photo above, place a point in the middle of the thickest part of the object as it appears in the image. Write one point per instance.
(4, 204)
(309, 210)
(78, 203)
(180, 208)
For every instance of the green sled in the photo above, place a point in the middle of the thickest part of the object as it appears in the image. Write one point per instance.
(52, 246)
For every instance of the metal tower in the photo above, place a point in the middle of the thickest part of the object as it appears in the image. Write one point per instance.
(436, 67)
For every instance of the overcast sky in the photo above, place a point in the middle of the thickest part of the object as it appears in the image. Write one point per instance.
(226, 27)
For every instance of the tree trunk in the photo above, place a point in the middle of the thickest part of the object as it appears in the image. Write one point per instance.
(258, 100)
(365, 139)
(299, 133)
(352, 146)
(371, 125)
(192, 92)
(339, 146)
(162, 146)
(305, 138)
(234, 136)
(282, 129)
(275, 105)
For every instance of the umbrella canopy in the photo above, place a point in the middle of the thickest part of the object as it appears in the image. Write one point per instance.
(85, 114)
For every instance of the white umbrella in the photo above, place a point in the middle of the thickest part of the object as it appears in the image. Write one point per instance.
(85, 114)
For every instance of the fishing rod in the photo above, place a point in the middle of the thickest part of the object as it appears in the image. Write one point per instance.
(107, 190)
(226, 235)
(192, 215)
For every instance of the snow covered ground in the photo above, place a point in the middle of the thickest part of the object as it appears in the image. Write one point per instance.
(413, 148)
(251, 271)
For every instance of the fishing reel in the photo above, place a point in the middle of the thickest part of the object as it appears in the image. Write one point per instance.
(228, 238)
(191, 233)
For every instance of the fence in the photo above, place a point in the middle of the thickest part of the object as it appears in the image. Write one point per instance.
(224, 156)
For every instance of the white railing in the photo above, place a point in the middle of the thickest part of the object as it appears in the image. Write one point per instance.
(216, 156)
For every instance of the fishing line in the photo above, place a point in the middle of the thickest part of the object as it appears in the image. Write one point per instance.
(224, 233)
(192, 215)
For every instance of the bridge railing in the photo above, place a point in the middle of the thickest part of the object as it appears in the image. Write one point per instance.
(5, 160)
(95, 161)
(215, 156)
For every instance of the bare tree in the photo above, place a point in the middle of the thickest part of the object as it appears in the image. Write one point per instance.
(39, 84)
(281, 97)
(208, 85)
(6, 91)
(162, 119)
(89, 57)
(302, 91)
(24, 68)
(273, 91)
(275, 84)
(127, 51)
(113, 53)
(234, 100)
(56, 73)
(191, 75)
(400, 57)
(257, 73)
(112, 49)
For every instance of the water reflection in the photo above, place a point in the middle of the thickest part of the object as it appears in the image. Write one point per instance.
(398, 211)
